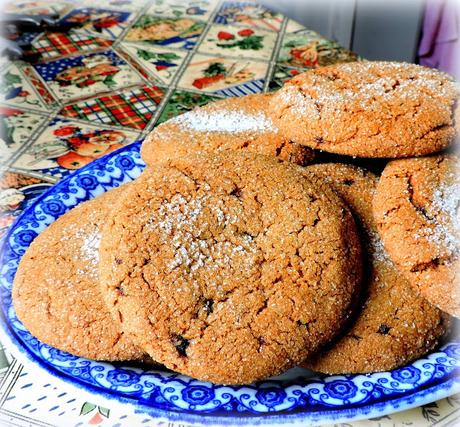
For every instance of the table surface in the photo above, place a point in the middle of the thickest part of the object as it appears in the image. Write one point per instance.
(130, 66)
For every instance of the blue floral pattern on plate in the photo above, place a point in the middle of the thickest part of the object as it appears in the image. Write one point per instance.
(298, 395)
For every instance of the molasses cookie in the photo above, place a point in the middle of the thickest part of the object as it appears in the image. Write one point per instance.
(393, 325)
(369, 109)
(56, 289)
(230, 268)
(231, 124)
(417, 213)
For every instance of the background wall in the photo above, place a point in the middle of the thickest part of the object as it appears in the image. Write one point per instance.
(380, 29)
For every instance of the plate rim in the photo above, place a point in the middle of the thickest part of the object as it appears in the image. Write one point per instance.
(398, 404)
(449, 386)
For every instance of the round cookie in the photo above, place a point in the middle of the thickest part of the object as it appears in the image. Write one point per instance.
(417, 213)
(56, 291)
(369, 109)
(231, 124)
(394, 325)
(230, 268)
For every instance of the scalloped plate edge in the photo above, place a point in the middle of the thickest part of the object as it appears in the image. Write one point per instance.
(403, 403)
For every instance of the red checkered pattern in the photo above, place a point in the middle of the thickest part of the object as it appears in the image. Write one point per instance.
(133, 108)
(51, 45)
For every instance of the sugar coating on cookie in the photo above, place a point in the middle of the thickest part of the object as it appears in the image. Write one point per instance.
(446, 231)
(369, 109)
(417, 213)
(230, 124)
(225, 121)
(56, 288)
(230, 268)
(393, 324)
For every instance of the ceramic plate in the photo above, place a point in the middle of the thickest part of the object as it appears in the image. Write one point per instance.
(296, 397)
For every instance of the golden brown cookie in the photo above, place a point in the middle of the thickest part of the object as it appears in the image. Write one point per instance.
(231, 124)
(417, 213)
(369, 109)
(56, 291)
(230, 268)
(394, 325)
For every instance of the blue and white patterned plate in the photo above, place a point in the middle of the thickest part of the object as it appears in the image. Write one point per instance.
(296, 396)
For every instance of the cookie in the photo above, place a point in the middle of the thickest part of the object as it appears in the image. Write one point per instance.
(393, 324)
(417, 212)
(56, 289)
(369, 109)
(230, 268)
(231, 124)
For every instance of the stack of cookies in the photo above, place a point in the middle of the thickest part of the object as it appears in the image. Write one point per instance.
(258, 238)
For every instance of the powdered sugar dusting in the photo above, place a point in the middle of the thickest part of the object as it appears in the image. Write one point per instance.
(231, 121)
(88, 241)
(446, 201)
(367, 88)
(90, 247)
(183, 222)
(84, 240)
(376, 247)
(299, 102)
(180, 212)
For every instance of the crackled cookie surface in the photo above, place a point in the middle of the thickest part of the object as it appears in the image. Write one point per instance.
(369, 109)
(393, 324)
(56, 291)
(231, 124)
(230, 268)
(417, 213)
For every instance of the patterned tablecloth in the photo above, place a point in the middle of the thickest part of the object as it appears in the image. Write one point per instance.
(129, 66)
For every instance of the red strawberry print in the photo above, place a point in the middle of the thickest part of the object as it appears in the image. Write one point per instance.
(65, 131)
(223, 35)
(245, 33)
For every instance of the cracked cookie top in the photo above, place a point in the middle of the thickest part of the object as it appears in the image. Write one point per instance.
(369, 109)
(393, 324)
(417, 209)
(230, 268)
(56, 291)
(231, 124)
